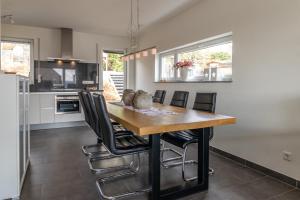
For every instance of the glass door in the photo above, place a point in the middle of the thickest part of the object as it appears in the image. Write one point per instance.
(114, 75)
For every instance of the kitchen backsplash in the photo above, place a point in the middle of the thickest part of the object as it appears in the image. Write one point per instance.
(59, 75)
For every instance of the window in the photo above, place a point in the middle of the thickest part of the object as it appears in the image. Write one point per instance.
(168, 71)
(211, 61)
(16, 56)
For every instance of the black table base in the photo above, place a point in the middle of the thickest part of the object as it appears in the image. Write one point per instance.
(201, 184)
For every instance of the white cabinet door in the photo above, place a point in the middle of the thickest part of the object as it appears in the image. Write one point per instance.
(68, 118)
(34, 109)
(47, 115)
(47, 102)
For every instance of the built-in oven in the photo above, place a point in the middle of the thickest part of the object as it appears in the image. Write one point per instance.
(67, 104)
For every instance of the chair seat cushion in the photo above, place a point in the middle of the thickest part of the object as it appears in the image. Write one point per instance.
(122, 133)
(181, 138)
(130, 143)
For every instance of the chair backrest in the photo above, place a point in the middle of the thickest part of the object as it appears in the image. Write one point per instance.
(159, 96)
(83, 105)
(89, 106)
(106, 128)
(205, 102)
(180, 99)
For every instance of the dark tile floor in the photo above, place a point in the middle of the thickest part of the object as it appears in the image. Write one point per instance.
(59, 171)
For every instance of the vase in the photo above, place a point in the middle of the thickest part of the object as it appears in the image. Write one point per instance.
(184, 72)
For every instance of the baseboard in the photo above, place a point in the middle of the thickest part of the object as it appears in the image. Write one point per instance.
(57, 125)
(286, 179)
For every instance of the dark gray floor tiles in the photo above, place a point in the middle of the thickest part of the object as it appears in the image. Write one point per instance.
(59, 171)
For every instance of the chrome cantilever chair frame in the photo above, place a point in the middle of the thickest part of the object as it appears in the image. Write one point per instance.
(182, 156)
(129, 172)
(136, 146)
(91, 154)
(94, 170)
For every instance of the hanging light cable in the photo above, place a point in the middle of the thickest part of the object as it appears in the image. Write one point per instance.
(135, 34)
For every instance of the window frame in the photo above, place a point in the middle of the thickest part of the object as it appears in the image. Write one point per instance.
(203, 44)
(23, 40)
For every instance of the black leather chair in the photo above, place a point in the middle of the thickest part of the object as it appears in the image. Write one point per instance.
(203, 102)
(103, 153)
(90, 122)
(159, 96)
(127, 144)
(93, 121)
(83, 105)
(180, 99)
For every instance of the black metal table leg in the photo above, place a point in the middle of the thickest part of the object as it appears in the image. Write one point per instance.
(203, 158)
(154, 166)
(201, 184)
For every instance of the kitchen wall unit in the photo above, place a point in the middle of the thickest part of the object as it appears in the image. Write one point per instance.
(14, 134)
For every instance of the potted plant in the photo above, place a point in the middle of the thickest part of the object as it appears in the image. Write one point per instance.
(184, 67)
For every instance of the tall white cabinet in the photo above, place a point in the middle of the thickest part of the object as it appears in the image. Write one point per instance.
(14, 134)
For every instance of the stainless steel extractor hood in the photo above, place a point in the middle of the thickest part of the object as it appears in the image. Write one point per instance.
(66, 46)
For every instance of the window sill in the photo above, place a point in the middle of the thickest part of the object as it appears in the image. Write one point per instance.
(178, 81)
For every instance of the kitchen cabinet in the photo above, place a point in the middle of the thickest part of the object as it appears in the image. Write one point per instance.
(14, 134)
(34, 113)
(47, 115)
(42, 110)
(47, 110)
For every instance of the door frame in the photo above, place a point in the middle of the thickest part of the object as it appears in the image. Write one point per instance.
(101, 68)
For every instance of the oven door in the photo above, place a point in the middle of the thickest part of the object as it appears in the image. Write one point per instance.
(67, 106)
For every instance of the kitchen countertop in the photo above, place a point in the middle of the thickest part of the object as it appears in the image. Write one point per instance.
(53, 92)
(60, 92)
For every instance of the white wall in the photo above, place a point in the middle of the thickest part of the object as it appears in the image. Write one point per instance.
(265, 93)
(0, 33)
(50, 39)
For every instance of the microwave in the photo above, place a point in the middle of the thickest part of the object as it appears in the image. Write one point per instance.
(67, 104)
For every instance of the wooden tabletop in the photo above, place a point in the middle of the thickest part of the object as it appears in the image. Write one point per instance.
(143, 124)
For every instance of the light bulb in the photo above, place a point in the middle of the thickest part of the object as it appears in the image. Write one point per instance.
(138, 55)
(145, 53)
(154, 51)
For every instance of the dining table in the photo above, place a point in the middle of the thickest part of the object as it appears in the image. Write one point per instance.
(161, 119)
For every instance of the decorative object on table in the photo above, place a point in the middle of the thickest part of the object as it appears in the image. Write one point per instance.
(128, 96)
(184, 67)
(150, 111)
(142, 100)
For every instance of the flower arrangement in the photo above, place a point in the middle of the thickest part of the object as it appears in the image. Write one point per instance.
(183, 64)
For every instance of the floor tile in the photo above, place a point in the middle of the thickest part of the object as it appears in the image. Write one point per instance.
(59, 171)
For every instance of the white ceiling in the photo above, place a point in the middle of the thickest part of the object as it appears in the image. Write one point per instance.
(92, 16)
